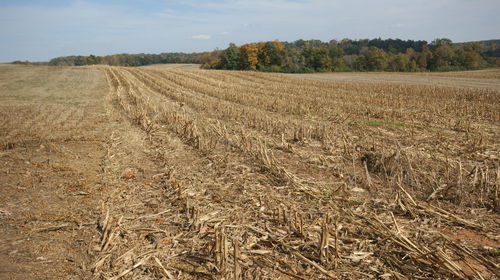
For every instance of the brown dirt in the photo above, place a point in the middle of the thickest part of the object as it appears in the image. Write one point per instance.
(475, 239)
(51, 146)
(144, 173)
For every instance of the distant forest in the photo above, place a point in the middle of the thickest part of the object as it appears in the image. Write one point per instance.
(356, 55)
(129, 59)
(304, 56)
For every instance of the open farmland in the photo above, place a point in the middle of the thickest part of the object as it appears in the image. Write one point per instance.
(173, 173)
(488, 79)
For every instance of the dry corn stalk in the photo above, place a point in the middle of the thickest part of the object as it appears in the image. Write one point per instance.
(220, 249)
(324, 254)
(236, 256)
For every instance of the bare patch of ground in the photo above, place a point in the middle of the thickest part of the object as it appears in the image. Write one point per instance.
(53, 130)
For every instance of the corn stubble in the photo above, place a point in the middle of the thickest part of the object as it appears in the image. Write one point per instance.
(363, 181)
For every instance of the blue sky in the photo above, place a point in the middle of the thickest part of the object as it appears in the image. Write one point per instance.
(40, 30)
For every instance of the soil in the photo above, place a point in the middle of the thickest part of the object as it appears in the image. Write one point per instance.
(53, 135)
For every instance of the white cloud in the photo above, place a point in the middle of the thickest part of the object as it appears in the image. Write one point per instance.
(225, 33)
(201, 37)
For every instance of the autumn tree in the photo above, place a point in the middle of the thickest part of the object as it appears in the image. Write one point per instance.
(211, 60)
(442, 57)
(423, 57)
(249, 56)
(411, 54)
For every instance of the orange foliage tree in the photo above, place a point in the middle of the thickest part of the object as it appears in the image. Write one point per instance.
(249, 56)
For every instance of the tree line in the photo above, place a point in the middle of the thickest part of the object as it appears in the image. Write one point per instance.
(128, 59)
(303, 56)
(354, 55)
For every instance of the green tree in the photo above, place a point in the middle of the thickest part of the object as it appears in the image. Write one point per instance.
(80, 60)
(317, 58)
(399, 63)
(376, 59)
(230, 58)
(337, 56)
(360, 62)
(293, 61)
(271, 55)
(441, 41)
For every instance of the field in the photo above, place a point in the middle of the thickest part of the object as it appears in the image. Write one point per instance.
(488, 79)
(177, 173)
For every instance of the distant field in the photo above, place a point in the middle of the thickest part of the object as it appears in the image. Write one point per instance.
(493, 73)
(489, 78)
(466, 79)
(172, 172)
(174, 66)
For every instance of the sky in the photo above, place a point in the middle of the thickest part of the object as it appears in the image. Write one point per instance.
(44, 29)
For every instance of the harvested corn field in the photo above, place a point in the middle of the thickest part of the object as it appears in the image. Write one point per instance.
(488, 79)
(245, 175)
